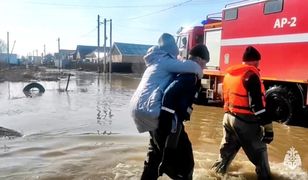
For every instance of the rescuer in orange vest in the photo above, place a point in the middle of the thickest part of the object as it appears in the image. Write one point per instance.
(245, 123)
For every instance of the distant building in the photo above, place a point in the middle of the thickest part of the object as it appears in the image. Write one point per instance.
(66, 54)
(130, 55)
(125, 58)
(12, 58)
(37, 60)
(90, 53)
(63, 58)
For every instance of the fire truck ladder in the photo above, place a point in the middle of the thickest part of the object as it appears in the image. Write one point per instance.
(242, 3)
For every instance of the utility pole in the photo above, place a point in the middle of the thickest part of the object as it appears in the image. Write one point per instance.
(8, 49)
(59, 52)
(27, 60)
(33, 58)
(110, 45)
(44, 51)
(105, 22)
(44, 55)
(105, 39)
(37, 58)
(98, 39)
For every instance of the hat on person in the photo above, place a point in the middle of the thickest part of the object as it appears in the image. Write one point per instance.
(166, 42)
(251, 54)
(200, 50)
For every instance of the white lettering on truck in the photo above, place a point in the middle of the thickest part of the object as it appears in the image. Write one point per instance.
(282, 22)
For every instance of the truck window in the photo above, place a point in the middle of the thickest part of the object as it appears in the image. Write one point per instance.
(230, 14)
(273, 6)
(199, 39)
(181, 41)
(183, 44)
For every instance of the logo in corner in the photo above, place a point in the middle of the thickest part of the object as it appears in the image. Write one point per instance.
(292, 159)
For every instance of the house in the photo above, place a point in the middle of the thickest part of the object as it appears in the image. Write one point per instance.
(36, 60)
(125, 57)
(130, 55)
(90, 53)
(66, 54)
(63, 58)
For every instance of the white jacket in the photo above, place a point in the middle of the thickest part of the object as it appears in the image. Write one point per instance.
(145, 103)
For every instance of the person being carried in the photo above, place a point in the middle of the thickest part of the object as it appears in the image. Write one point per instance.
(145, 104)
(246, 123)
(171, 141)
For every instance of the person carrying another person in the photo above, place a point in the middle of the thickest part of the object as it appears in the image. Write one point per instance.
(246, 123)
(177, 155)
(161, 67)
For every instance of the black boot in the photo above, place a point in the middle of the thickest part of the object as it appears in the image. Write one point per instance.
(150, 171)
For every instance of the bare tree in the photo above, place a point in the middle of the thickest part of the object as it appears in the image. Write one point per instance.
(2, 46)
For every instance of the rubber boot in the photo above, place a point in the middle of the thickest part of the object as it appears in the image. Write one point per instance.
(150, 171)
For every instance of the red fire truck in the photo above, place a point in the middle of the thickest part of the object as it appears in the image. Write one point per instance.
(279, 30)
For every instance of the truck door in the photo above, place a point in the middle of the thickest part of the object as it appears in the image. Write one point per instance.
(213, 42)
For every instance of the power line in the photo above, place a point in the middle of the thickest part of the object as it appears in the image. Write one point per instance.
(159, 11)
(89, 32)
(119, 25)
(95, 6)
(195, 3)
(185, 3)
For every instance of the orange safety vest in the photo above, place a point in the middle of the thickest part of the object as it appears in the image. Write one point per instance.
(235, 94)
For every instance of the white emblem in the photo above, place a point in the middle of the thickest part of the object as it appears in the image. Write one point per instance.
(292, 159)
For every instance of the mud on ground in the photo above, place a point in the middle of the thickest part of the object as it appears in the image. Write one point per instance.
(20, 74)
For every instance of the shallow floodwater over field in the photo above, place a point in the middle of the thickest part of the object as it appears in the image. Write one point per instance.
(87, 133)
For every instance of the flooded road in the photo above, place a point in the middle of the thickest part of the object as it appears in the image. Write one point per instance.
(87, 133)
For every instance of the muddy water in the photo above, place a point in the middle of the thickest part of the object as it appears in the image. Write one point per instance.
(87, 133)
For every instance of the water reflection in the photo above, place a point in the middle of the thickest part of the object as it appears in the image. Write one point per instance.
(104, 116)
(87, 133)
(91, 103)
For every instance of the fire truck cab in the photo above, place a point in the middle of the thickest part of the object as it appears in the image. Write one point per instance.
(188, 37)
(279, 30)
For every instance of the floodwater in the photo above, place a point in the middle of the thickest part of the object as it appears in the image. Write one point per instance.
(87, 133)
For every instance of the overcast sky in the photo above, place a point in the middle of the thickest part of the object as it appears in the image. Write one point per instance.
(33, 23)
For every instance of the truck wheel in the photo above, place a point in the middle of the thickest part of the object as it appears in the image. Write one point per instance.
(281, 104)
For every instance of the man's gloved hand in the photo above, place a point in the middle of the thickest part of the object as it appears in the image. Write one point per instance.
(268, 134)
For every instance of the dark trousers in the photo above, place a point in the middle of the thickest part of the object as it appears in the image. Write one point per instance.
(170, 152)
(178, 162)
(240, 134)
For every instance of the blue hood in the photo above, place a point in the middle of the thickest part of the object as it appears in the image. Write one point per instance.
(154, 55)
